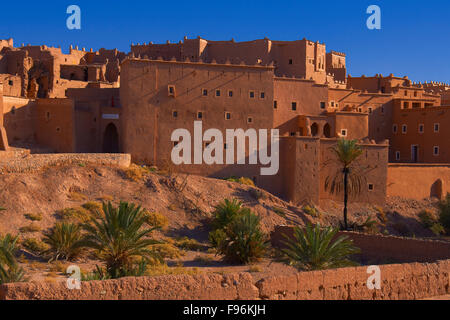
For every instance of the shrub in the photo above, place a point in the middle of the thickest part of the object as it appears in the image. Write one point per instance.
(257, 194)
(427, 218)
(189, 244)
(119, 237)
(217, 237)
(33, 216)
(311, 210)
(255, 269)
(314, 249)
(246, 181)
(444, 213)
(226, 211)
(65, 241)
(156, 220)
(76, 215)
(93, 206)
(32, 228)
(76, 196)
(9, 270)
(168, 251)
(279, 211)
(437, 229)
(35, 246)
(136, 173)
(244, 242)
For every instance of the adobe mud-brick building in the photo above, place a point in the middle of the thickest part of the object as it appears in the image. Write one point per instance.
(56, 102)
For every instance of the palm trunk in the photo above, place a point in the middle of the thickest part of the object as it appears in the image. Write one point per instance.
(346, 170)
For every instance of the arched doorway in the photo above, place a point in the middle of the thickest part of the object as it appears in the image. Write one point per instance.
(111, 139)
(327, 131)
(314, 129)
(437, 190)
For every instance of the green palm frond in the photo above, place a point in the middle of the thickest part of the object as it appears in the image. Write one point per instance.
(9, 269)
(314, 248)
(65, 241)
(119, 236)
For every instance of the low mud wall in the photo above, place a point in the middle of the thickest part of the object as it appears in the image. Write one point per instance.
(398, 281)
(383, 249)
(418, 181)
(29, 163)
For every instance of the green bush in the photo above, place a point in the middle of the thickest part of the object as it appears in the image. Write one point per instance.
(444, 213)
(314, 249)
(244, 242)
(226, 211)
(64, 240)
(120, 237)
(217, 237)
(427, 218)
(35, 246)
(9, 269)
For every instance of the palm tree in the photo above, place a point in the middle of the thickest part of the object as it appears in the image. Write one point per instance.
(226, 211)
(348, 178)
(314, 249)
(65, 241)
(9, 269)
(119, 237)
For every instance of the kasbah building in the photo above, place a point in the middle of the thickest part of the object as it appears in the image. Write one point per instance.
(111, 102)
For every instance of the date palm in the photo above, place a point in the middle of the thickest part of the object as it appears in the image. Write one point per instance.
(119, 236)
(65, 241)
(9, 269)
(314, 248)
(349, 178)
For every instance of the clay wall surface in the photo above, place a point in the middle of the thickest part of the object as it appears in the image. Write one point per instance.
(382, 248)
(355, 125)
(148, 108)
(12, 85)
(55, 124)
(398, 282)
(20, 162)
(418, 181)
(420, 131)
(19, 116)
(371, 165)
(306, 94)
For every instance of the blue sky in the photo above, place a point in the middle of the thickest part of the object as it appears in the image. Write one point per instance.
(414, 39)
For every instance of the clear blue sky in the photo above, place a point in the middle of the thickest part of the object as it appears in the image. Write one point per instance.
(414, 40)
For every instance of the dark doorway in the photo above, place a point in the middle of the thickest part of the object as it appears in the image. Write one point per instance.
(111, 139)
(437, 190)
(314, 129)
(327, 131)
(415, 153)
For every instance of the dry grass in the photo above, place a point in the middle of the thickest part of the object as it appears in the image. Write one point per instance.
(75, 215)
(157, 220)
(160, 270)
(136, 173)
(255, 269)
(76, 196)
(168, 251)
(35, 246)
(32, 228)
(33, 216)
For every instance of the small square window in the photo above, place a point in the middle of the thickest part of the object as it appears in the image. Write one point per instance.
(369, 110)
(436, 127)
(252, 94)
(292, 134)
(415, 93)
(322, 105)
(294, 106)
(394, 128)
(290, 61)
(404, 128)
(227, 115)
(217, 93)
(382, 110)
(200, 115)
(397, 155)
(204, 92)
(360, 110)
(435, 151)
(275, 104)
(225, 146)
(249, 120)
(262, 95)
(421, 128)
(230, 93)
(344, 132)
(10, 82)
(175, 114)
(406, 93)
(371, 187)
(332, 104)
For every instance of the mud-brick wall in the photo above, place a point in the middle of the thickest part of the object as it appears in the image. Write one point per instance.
(418, 181)
(398, 281)
(383, 248)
